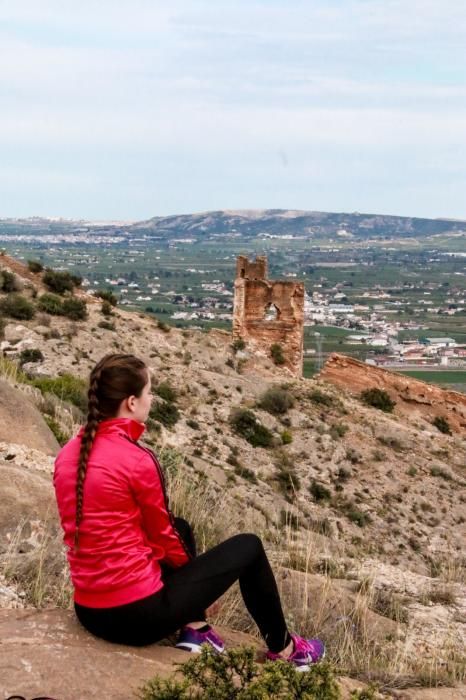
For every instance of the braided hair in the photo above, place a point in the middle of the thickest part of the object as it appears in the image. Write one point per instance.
(114, 378)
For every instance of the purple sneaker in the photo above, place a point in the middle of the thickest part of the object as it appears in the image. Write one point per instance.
(305, 653)
(192, 640)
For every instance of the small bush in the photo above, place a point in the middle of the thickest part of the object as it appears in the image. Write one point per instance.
(238, 344)
(245, 424)
(318, 397)
(163, 326)
(442, 424)
(343, 474)
(319, 492)
(338, 430)
(51, 304)
(378, 398)
(35, 266)
(106, 308)
(438, 471)
(106, 325)
(391, 441)
(165, 413)
(235, 675)
(76, 309)
(245, 473)
(59, 282)
(106, 295)
(276, 352)
(276, 400)
(166, 392)
(60, 435)
(30, 355)
(357, 516)
(8, 282)
(67, 388)
(287, 437)
(353, 456)
(17, 306)
(354, 514)
(193, 424)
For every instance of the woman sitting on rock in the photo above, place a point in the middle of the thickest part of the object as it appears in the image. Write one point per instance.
(135, 571)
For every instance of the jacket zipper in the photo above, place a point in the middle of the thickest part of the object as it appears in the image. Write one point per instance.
(164, 491)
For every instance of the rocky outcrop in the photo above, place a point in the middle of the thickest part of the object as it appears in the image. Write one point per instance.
(21, 422)
(48, 652)
(412, 396)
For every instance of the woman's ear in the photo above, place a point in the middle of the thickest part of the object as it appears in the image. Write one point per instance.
(131, 403)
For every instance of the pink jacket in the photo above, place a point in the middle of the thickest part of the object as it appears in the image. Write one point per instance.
(127, 529)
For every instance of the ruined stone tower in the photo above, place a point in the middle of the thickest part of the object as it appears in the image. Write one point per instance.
(267, 312)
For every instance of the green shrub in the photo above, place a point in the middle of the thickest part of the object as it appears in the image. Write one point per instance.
(106, 308)
(59, 282)
(163, 326)
(318, 397)
(276, 352)
(60, 436)
(245, 424)
(442, 424)
(166, 413)
(438, 471)
(17, 306)
(287, 437)
(338, 430)
(378, 398)
(245, 473)
(8, 281)
(391, 441)
(76, 309)
(276, 400)
(106, 325)
(238, 344)
(354, 514)
(106, 295)
(357, 516)
(235, 675)
(66, 387)
(30, 355)
(319, 492)
(51, 304)
(193, 424)
(35, 266)
(166, 392)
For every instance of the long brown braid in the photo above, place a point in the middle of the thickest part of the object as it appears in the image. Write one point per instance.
(114, 378)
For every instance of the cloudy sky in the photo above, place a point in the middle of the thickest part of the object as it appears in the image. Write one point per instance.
(126, 109)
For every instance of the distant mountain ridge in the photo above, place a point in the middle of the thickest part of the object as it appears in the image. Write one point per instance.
(249, 224)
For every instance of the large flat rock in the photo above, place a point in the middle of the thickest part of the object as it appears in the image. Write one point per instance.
(49, 653)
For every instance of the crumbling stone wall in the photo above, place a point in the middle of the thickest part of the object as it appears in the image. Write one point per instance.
(267, 312)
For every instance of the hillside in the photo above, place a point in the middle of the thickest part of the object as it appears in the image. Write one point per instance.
(362, 511)
(246, 224)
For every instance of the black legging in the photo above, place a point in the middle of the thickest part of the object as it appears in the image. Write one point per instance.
(190, 589)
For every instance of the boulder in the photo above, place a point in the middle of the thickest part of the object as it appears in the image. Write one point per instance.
(22, 423)
(14, 332)
(26, 495)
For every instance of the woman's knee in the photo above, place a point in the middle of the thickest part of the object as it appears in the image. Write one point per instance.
(250, 544)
